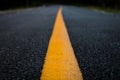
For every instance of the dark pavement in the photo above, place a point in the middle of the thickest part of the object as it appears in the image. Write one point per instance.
(24, 37)
(95, 38)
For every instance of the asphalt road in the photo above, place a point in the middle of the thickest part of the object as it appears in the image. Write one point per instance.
(24, 37)
(95, 37)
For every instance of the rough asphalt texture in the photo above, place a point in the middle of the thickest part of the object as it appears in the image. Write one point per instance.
(95, 38)
(24, 38)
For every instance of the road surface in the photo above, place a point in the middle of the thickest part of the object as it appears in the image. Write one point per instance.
(95, 38)
(24, 38)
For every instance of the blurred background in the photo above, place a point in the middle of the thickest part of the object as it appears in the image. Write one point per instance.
(10, 4)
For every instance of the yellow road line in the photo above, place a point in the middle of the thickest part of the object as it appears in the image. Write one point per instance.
(60, 63)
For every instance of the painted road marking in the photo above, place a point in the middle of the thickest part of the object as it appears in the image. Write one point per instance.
(60, 63)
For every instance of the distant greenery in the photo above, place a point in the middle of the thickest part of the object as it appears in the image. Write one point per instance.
(110, 10)
(10, 4)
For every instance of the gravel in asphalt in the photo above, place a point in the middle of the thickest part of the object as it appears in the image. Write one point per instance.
(95, 38)
(24, 38)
